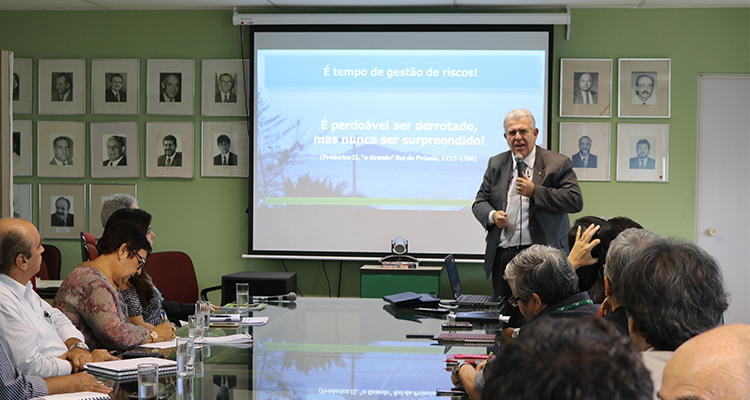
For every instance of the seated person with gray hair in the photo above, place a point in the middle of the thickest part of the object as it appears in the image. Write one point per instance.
(673, 290)
(580, 358)
(116, 202)
(543, 285)
(622, 251)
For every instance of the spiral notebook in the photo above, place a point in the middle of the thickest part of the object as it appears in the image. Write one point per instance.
(75, 396)
(123, 369)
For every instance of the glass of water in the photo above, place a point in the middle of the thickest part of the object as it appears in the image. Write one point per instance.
(243, 297)
(148, 381)
(194, 328)
(203, 313)
(185, 356)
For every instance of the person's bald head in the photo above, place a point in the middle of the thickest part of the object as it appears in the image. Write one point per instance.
(712, 365)
(20, 249)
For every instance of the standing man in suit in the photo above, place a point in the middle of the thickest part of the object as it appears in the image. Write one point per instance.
(225, 93)
(170, 88)
(585, 94)
(226, 157)
(62, 89)
(115, 94)
(62, 149)
(116, 152)
(584, 158)
(517, 211)
(62, 215)
(643, 161)
(171, 157)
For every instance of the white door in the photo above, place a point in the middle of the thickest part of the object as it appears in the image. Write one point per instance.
(723, 183)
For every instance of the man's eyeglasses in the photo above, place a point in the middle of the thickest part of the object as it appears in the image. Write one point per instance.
(513, 301)
(141, 261)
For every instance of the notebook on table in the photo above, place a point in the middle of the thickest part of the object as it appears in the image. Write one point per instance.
(127, 369)
(458, 293)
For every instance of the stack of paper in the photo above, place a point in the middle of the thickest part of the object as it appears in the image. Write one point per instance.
(236, 340)
(254, 321)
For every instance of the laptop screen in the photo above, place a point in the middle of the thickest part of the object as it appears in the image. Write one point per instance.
(450, 265)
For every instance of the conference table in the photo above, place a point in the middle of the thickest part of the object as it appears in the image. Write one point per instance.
(327, 348)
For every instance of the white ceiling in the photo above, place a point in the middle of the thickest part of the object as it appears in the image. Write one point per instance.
(291, 5)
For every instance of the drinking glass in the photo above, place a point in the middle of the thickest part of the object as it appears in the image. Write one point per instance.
(185, 356)
(148, 381)
(243, 297)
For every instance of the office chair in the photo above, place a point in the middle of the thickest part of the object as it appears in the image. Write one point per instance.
(88, 247)
(51, 262)
(174, 274)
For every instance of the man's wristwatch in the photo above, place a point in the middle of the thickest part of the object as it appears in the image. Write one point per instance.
(457, 368)
(80, 345)
(515, 333)
(153, 335)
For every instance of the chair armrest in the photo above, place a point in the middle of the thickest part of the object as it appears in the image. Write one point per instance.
(204, 292)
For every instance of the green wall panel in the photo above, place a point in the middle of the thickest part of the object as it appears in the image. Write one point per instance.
(205, 217)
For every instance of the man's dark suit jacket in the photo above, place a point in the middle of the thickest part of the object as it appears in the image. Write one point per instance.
(58, 222)
(578, 160)
(163, 97)
(232, 160)
(123, 161)
(219, 97)
(635, 163)
(56, 96)
(578, 97)
(556, 193)
(176, 160)
(110, 96)
(52, 162)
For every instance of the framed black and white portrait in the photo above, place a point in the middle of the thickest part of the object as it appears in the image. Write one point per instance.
(98, 194)
(62, 210)
(22, 201)
(115, 86)
(643, 152)
(22, 73)
(60, 149)
(62, 87)
(225, 147)
(223, 84)
(587, 145)
(170, 87)
(644, 87)
(21, 142)
(586, 88)
(114, 150)
(169, 150)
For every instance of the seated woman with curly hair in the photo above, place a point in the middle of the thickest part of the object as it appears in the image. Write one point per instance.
(89, 295)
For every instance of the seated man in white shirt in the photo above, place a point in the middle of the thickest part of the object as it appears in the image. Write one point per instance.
(40, 340)
(16, 386)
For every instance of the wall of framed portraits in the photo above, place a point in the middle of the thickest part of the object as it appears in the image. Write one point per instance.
(200, 209)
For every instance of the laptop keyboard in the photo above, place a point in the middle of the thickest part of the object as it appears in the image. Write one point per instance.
(475, 298)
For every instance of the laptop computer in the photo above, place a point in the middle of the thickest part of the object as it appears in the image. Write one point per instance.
(458, 294)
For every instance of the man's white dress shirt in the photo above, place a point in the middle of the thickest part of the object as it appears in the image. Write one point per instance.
(33, 332)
